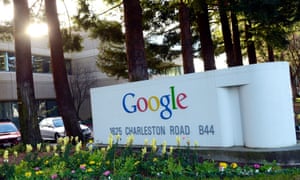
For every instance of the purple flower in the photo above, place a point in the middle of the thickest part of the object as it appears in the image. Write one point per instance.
(82, 166)
(36, 168)
(256, 166)
(54, 176)
(106, 173)
(73, 171)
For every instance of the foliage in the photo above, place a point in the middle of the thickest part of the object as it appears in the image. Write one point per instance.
(114, 161)
(6, 32)
(112, 55)
(272, 19)
(71, 42)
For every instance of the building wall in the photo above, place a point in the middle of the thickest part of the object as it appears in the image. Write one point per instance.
(43, 85)
(44, 88)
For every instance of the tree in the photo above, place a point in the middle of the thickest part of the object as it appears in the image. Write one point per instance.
(238, 58)
(207, 47)
(63, 94)
(135, 47)
(292, 55)
(251, 52)
(270, 21)
(25, 90)
(223, 6)
(112, 58)
(80, 83)
(186, 38)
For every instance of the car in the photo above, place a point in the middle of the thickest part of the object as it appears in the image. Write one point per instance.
(9, 134)
(52, 128)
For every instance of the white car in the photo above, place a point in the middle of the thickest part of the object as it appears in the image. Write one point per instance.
(52, 128)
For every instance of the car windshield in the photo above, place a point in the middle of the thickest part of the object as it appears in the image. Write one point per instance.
(58, 122)
(4, 128)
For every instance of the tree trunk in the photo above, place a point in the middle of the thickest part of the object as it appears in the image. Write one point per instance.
(207, 47)
(238, 58)
(270, 53)
(226, 34)
(135, 47)
(63, 94)
(186, 38)
(25, 89)
(250, 45)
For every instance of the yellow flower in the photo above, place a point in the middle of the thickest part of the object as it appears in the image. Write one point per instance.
(107, 162)
(144, 151)
(60, 140)
(76, 139)
(171, 150)
(178, 140)
(146, 142)
(78, 147)
(130, 140)
(155, 159)
(136, 163)
(164, 150)
(16, 153)
(90, 170)
(54, 148)
(234, 165)
(164, 147)
(38, 146)
(223, 165)
(66, 140)
(48, 148)
(196, 143)
(153, 145)
(38, 172)
(46, 162)
(5, 155)
(28, 174)
(103, 150)
(118, 137)
(110, 141)
(154, 148)
(63, 148)
(92, 162)
(28, 148)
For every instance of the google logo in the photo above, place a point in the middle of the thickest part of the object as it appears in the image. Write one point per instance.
(165, 103)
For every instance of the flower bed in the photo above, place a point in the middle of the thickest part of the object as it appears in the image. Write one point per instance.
(67, 161)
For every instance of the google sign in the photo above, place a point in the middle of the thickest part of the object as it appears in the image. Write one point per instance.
(168, 103)
(220, 108)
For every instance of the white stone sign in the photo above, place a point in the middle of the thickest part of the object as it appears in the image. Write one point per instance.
(247, 106)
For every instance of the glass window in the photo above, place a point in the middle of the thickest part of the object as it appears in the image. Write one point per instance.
(40, 64)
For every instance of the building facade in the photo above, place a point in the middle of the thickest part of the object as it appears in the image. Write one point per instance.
(43, 81)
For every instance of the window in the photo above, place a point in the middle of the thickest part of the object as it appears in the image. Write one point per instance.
(40, 64)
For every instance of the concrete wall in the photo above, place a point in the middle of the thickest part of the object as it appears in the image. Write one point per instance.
(241, 106)
(43, 84)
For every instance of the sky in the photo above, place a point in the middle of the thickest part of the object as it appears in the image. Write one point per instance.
(39, 29)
